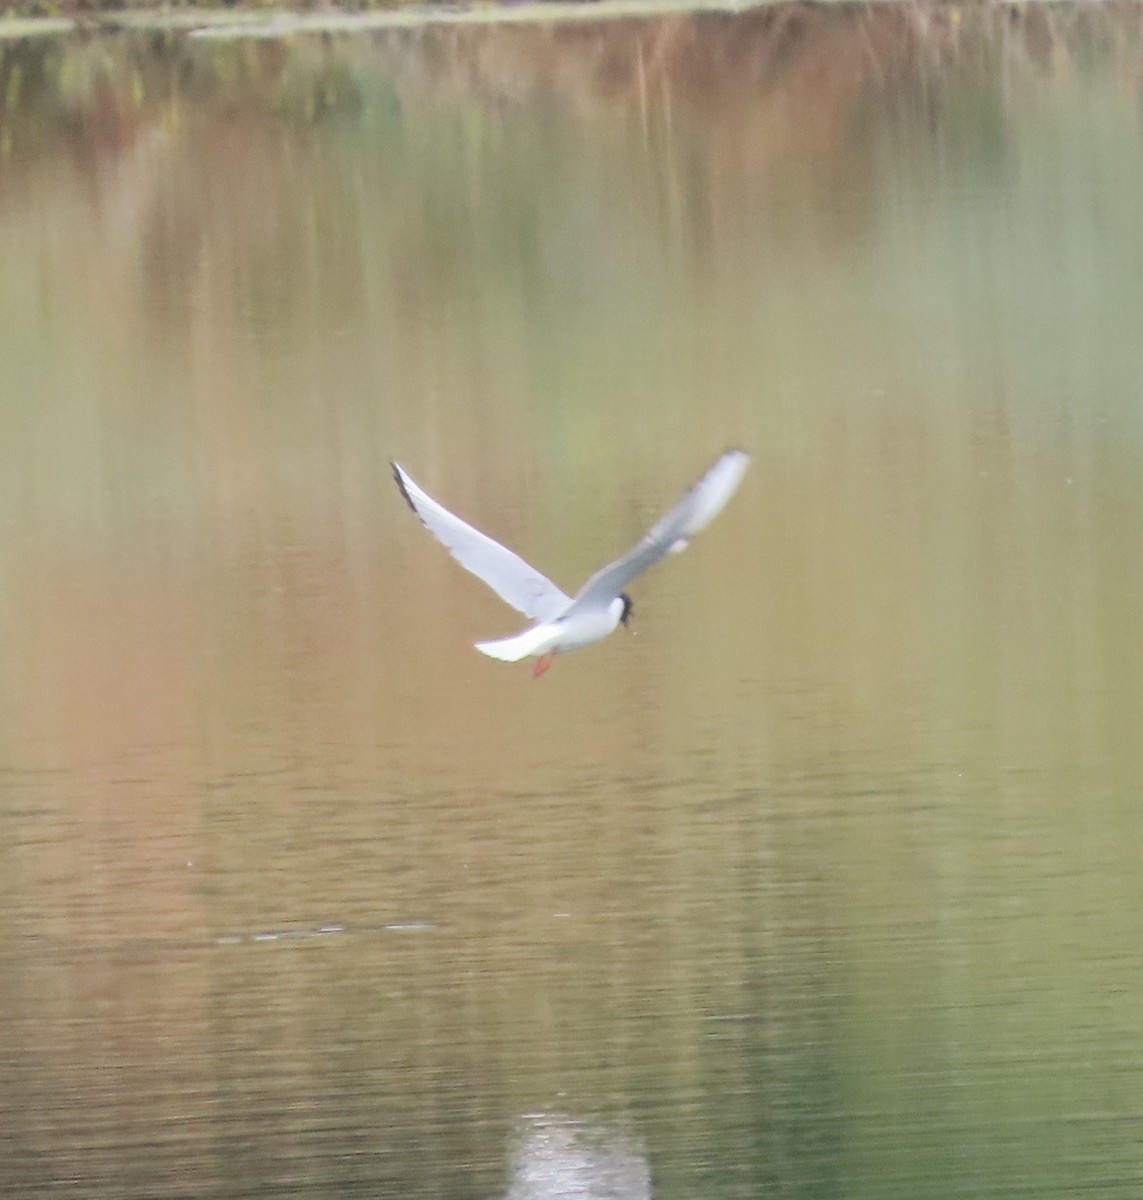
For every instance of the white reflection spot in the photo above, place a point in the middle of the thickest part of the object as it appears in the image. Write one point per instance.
(560, 1158)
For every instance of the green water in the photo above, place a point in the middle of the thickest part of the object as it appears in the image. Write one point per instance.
(824, 882)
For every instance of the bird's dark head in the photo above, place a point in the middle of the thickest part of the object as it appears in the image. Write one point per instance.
(628, 608)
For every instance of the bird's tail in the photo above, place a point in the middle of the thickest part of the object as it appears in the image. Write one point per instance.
(536, 640)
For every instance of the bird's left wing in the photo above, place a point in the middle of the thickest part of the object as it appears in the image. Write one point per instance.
(507, 574)
(670, 533)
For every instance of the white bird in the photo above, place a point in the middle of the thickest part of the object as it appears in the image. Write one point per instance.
(601, 605)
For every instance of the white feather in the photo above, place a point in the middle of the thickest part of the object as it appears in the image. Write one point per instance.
(537, 640)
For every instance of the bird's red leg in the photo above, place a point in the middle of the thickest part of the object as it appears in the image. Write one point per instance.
(542, 664)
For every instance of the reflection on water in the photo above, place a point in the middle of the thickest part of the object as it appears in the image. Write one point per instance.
(561, 1159)
(825, 882)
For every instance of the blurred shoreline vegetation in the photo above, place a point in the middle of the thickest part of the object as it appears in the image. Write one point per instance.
(126, 69)
(776, 91)
(26, 18)
(179, 144)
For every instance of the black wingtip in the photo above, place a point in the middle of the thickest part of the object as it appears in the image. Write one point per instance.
(399, 476)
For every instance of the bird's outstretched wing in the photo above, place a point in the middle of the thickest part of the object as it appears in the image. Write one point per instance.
(507, 574)
(670, 533)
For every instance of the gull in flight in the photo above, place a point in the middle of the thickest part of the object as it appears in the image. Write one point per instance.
(601, 605)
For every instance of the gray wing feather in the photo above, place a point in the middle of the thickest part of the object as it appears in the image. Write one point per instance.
(507, 574)
(670, 533)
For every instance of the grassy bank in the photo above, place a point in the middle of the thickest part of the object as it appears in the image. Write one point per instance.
(25, 18)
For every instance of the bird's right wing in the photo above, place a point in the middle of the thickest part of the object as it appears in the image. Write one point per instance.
(669, 534)
(507, 574)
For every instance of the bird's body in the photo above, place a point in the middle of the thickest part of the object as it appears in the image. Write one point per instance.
(562, 622)
(551, 636)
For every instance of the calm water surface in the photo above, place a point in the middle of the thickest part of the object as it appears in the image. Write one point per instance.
(826, 883)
